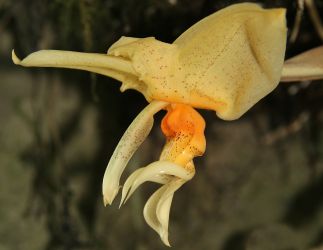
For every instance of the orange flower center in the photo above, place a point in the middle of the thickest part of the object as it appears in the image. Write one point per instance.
(184, 128)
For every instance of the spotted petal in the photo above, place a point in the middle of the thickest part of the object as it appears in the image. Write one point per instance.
(129, 143)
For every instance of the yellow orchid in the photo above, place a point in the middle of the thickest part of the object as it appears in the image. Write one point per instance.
(226, 62)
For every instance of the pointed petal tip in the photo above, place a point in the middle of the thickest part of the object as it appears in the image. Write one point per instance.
(110, 188)
(108, 197)
(122, 201)
(14, 57)
(164, 237)
(106, 201)
(166, 243)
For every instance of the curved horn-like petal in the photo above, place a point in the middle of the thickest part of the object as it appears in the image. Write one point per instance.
(156, 172)
(98, 63)
(150, 209)
(129, 143)
(157, 208)
(163, 207)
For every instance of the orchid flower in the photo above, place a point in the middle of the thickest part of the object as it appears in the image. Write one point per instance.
(226, 62)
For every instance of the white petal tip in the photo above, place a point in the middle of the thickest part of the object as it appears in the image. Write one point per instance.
(106, 201)
(15, 59)
(164, 238)
(108, 197)
(124, 195)
(122, 202)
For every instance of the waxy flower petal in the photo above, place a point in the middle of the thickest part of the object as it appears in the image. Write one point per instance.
(127, 146)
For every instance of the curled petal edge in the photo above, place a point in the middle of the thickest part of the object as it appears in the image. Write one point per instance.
(159, 172)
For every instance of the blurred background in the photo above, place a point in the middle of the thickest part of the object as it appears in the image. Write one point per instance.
(259, 185)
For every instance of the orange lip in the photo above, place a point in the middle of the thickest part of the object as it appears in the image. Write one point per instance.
(184, 128)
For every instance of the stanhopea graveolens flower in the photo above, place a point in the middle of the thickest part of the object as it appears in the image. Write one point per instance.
(226, 62)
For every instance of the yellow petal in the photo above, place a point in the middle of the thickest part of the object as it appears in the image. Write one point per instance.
(93, 62)
(129, 143)
(233, 58)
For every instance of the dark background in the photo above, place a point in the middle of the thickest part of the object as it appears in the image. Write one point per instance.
(258, 186)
